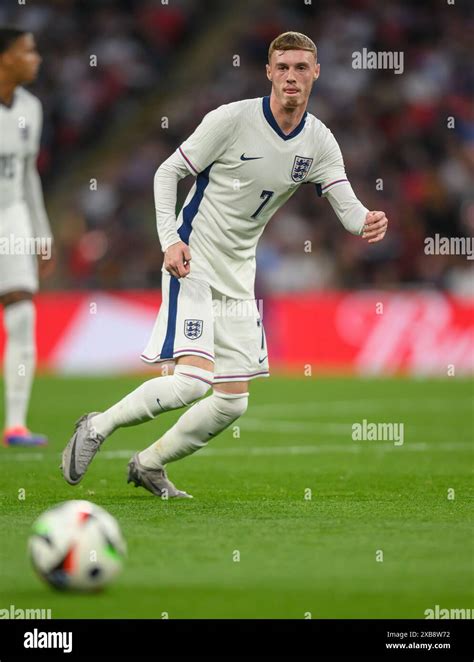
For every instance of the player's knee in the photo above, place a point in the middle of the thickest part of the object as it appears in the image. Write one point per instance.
(231, 405)
(191, 383)
(15, 297)
(20, 320)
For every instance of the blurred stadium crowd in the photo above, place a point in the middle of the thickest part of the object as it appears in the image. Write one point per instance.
(400, 154)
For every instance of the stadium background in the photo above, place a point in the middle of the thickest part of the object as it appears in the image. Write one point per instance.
(106, 124)
(308, 507)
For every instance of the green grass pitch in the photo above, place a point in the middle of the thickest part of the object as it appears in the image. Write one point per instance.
(307, 508)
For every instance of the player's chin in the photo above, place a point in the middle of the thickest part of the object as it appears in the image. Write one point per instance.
(291, 100)
(31, 73)
(29, 77)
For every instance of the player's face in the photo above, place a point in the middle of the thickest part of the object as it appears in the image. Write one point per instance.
(292, 74)
(22, 60)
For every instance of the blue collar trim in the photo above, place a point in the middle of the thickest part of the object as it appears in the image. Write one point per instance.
(274, 124)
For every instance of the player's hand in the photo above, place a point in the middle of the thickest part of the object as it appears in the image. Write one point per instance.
(177, 259)
(375, 226)
(47, 266)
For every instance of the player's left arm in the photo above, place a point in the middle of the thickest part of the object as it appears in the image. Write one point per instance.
(357, 219)
(35, 201)
(332, 183)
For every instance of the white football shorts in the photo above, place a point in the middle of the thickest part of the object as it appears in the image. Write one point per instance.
(18, 267)
(196, 320)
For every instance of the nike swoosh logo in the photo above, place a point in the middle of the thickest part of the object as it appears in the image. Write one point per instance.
(262, 360)
(250, 158)
(72, 464)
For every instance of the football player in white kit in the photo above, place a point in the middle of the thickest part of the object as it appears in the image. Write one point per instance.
(22, 219)
(248, 158)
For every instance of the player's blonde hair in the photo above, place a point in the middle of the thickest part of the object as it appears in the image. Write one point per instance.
(292, 41)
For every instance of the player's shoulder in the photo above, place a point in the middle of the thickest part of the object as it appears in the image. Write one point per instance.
(27, 98)
(245, 105)
(317, 127)
(322, 136)
(240, 108)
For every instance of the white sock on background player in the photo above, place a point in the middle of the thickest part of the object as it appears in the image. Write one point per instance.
(20, 360)
(195, 428)
(187, 384)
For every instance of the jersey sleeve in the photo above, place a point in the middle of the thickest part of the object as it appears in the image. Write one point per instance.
(166, 181)
(37, 127)
(209, 141)
(331, 181)
(329, 170)
(32, 183)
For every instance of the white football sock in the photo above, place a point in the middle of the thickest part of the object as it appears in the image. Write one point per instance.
(20, 360)
(192, 431)
(187, 384)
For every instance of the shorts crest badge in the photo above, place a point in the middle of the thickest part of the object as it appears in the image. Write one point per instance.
(301, 166)
(193, 329)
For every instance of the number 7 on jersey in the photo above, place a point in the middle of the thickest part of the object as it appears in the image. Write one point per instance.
(266, 195)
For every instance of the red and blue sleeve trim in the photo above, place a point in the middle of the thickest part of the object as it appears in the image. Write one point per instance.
(326, 187)
(188, 161)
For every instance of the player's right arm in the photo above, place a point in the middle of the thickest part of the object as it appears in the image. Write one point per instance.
(203, 147)
(177, 259)
(33, 193)
(176, 253)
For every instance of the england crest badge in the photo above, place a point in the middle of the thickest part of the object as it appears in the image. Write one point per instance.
(301, 166)
(193, 329)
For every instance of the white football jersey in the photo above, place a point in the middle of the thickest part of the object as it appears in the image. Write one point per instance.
(20, 133)
(246, 168)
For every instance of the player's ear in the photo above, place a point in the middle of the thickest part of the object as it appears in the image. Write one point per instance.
(316, 72)
(269, 75)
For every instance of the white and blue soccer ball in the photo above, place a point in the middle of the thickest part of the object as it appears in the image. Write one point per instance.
(77, 545)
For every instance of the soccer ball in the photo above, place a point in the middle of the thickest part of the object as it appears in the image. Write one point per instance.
(77, 545)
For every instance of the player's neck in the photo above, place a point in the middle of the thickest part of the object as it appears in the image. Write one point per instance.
(7, 91)
(286, 118)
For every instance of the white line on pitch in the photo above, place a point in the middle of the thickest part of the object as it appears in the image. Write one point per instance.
(350, 447)
(296, 427)
(21, 457)
(319, 406)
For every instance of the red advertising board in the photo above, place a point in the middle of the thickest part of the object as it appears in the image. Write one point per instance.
(373, 333)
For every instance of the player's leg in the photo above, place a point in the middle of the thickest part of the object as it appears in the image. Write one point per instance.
(18, 283)
(200, 423)
(184, 323)
(193, 430)
(177, 326)
(188, 383)
(20, 346)
(240, 352)
(19, 366)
